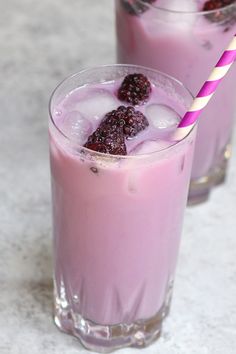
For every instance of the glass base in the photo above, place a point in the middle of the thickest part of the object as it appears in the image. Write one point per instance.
(107, 338)
(200, 188)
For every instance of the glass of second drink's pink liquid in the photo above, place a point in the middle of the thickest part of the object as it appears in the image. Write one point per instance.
(185, 39)
(117, 218)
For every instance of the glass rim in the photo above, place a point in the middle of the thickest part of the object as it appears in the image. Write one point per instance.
(111, 156)
(201, 12)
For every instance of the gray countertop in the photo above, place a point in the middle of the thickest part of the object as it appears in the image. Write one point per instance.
(41, 42)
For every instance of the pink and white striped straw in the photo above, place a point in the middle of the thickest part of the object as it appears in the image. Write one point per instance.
(207, 91)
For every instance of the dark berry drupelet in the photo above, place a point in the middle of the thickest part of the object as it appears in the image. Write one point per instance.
(131, 121)
(107, 139)
(136, 7)
(221, 15)
(135, 89)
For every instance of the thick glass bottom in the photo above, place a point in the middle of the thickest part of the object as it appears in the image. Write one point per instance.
(107, 338)
(200, 188)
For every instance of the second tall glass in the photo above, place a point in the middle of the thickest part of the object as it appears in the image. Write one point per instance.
(186, 45)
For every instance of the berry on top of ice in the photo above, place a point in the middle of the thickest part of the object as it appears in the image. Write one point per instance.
(136, 7)
(108, 139)
(130, 120)
(221, 14)
(108, 142)
(216, 4)
(135, 89)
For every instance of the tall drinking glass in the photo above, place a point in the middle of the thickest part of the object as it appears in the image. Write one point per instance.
(117, 223)
(186, 44)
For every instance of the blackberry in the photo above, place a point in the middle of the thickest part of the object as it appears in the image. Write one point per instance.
(222, 15)
(135, 89)
(131, 121)
(136, 7)
(107, 139)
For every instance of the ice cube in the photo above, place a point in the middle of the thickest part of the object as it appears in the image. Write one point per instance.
(75, 126)
(161, 116)
(174, 13)
(97, 104)
(150, 146)
(176, 5)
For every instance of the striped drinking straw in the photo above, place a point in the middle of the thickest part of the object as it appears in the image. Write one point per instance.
(207, 91)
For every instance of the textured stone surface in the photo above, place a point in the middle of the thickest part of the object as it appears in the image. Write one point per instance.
(41, 42)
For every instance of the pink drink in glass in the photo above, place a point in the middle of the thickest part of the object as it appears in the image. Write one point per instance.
(117, 219)
(186, 45)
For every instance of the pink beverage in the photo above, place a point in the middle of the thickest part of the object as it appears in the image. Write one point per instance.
(177, 38)
(117, 218)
